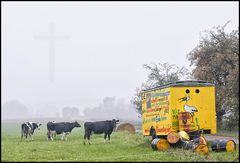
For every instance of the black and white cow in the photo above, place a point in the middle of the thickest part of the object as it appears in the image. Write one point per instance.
(63, 128)
(99, 127)
(28, 129)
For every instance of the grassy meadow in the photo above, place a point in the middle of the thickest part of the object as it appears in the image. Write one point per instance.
(123, 147)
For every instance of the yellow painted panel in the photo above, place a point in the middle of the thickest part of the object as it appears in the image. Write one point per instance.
(161, 107)
(199, 101)
(155, 108)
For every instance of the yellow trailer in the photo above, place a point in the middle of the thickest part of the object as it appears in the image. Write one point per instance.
(164, 107)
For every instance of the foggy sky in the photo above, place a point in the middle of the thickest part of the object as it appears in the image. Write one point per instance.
(105, 47)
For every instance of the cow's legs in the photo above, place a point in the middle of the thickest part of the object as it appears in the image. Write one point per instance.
(66, 135)
(30, 135)
(48, 135)
(84, 137)
(105, 136)
(88, 136)
(63, 135)
(109, 138)
(51, 135)
(22, 134)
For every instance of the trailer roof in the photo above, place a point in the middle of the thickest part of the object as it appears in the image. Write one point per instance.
(190, 83)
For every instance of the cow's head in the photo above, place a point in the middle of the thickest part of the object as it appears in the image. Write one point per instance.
(76, 124)
(114, 121)
(38, 125)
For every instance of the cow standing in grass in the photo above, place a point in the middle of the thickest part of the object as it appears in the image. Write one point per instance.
(28, 128)
(63, 128)
(99, 127)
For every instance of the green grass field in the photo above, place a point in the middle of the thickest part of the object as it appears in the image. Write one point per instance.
(123, 147)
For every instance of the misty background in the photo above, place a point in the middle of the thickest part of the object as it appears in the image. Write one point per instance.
(84, 59)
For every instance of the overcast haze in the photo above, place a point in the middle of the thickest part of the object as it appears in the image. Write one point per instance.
(101, 47)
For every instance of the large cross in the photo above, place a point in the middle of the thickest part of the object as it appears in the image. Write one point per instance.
(51, 38)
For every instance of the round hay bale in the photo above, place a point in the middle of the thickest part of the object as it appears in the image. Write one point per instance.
(126, 127)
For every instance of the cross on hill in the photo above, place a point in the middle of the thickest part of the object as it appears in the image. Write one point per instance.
(51, 38)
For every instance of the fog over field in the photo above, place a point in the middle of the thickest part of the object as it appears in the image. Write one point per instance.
(108, 109)
(84, 60)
